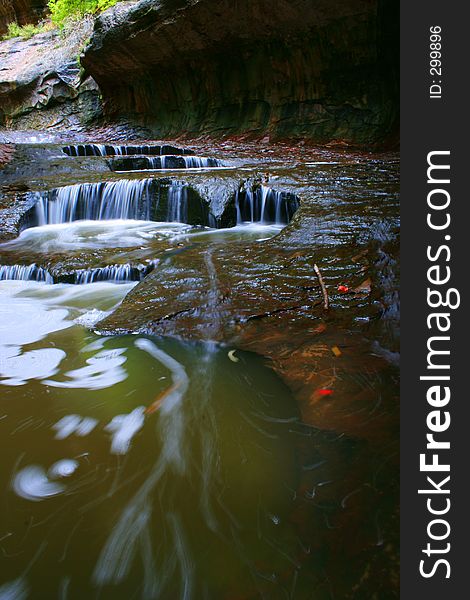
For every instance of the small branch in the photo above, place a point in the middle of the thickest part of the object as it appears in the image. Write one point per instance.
(160, 398)
(326, 301)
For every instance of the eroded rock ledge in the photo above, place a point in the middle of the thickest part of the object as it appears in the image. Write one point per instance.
(286, 68)
(40, 84)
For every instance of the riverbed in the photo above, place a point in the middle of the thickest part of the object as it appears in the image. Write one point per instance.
(183, 416)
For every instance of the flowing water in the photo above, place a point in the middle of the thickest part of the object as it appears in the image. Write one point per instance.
(135, 466)
(147, 488)
(123, 499)
(122, 150)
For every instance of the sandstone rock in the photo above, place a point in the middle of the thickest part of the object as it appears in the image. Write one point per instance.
(6, 154)
(22, 12)
(40, 86)
(302, 69)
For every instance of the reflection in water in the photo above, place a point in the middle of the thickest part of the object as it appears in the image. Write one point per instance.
(124, 428)
(63, 468)
(131, 531)
(136, 467)
(32, 483)
(14, 590)
(16, 316)
(102, 370)
(164, 467)
(18, 311)
(50, 308)
(74, 424)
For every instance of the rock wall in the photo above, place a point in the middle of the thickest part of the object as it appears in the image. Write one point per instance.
(312, 69)
(6, 154)
(40, 85)
(21, 12)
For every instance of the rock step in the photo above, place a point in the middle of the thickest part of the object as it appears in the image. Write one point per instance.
(168, 161)
(113, 273)
(143, 199)
(25, 273)
(160, 200)
(123, 150)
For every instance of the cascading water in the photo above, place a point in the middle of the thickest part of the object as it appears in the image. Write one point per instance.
(121, 150)
(177, 203)
(182, 162)
(123, 199)
(25, 273)
(142, 200)
(153, 200)
(168, 161)
(115, 273)
(86, 150)
(200, 162)
(264, 205)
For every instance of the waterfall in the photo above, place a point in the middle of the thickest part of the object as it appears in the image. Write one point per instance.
(138, 199)
(86, 150)
(265, 205)
(177, 203)
(116, 273)
(124, 199)
(153, 200)
(165, 161)
(199, 162)
(186, 162)
(25, 273)
(122, 150)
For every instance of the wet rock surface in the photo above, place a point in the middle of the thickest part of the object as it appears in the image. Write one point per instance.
(207, 70)
(266, 297)
(14, 204)
(263, 295)
(283, 69)
(6, 154)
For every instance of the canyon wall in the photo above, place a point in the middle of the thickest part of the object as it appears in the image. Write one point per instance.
(21, 12)
(312, 69)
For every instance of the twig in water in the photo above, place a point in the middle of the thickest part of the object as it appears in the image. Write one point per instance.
(326, 301)
(159, 399)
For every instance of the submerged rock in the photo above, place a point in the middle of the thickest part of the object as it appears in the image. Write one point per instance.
(264, 297)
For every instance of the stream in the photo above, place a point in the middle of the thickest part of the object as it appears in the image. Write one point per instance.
(140, 465)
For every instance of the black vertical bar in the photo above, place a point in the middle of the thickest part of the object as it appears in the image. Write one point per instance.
(434, 122)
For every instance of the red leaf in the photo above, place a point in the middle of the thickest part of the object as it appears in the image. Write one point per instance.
(325, 392)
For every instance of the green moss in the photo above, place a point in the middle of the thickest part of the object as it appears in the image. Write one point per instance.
(62, 10)
(26, 31)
